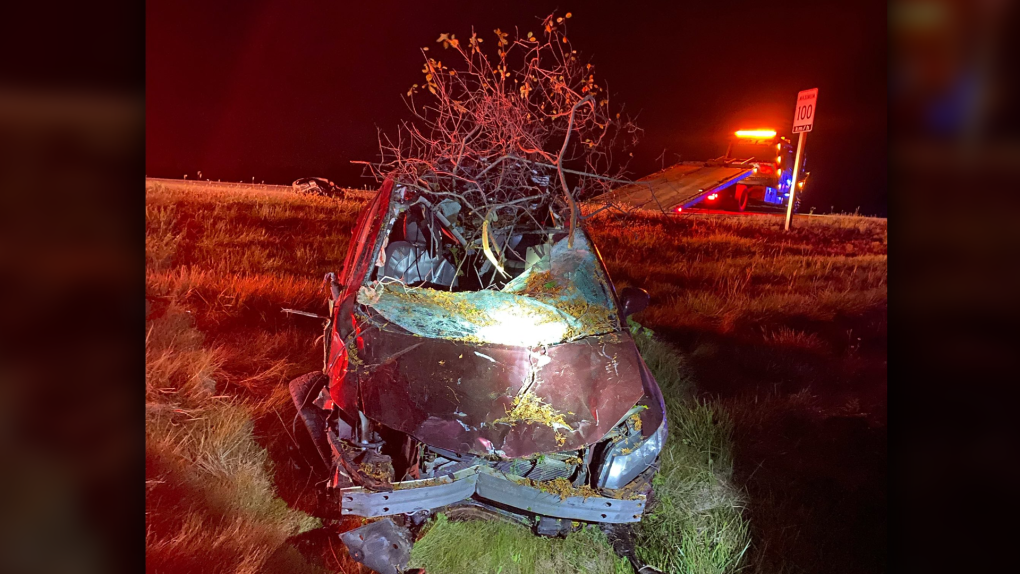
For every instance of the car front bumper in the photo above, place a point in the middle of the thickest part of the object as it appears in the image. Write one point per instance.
(486, 485)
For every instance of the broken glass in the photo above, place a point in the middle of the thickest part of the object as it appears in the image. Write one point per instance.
(560, 295)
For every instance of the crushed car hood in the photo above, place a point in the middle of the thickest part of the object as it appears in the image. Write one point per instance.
(496, 399)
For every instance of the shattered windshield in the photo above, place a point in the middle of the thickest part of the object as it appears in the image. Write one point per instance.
(530, 289)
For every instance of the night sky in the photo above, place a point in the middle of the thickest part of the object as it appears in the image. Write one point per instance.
(278, 90)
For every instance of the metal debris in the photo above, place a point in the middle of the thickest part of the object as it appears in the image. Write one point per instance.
(382, 546)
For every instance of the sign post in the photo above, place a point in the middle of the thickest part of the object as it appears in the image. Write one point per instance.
(803, 121)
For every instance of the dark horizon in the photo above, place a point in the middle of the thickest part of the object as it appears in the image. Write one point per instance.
(276, 91)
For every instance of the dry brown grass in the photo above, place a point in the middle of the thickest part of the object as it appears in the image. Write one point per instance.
(218, 354)
(211, 504)
(733, 275)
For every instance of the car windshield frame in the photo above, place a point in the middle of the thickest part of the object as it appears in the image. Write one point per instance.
(518, 294)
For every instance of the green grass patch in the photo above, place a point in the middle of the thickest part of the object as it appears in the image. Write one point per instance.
(694, 523)
(493, 547)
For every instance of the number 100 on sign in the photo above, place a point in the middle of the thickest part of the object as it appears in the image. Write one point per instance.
(804, 113)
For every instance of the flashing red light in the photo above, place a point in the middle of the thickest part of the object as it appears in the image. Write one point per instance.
(679, 209)
(713, 197)
(756, 134)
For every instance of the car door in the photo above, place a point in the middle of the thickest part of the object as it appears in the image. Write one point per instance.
(356, 265)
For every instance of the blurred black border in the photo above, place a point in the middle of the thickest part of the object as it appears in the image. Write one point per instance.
(72, 159)
(954, 284)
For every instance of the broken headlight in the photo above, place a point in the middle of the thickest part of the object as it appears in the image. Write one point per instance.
(630, 457)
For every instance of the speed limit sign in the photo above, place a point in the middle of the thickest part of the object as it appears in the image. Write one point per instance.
(803, 121)
(804, 113)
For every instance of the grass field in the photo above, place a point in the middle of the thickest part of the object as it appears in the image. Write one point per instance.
(770, 348)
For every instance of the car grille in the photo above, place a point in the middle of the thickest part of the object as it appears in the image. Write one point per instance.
(542, 471)
(547, 469)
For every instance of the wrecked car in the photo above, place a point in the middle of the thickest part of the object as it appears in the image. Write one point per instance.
(317, 186)
(512, 386)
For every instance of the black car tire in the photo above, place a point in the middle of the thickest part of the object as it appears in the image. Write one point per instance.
(741, 202)
(304, 390)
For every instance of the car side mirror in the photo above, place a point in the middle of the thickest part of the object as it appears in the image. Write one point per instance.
(332, 288)
(634, 300)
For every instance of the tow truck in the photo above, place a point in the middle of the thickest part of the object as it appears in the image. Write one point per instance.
(756, 172)
(770, 157)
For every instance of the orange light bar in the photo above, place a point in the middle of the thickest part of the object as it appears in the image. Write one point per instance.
(756, 134)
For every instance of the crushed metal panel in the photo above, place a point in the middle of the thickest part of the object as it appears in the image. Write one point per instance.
(382, 546)
(409, 497)
(680, 185)
(450, 394)
(591, 509)
(593, 378)
(303, 390)
(655, 411)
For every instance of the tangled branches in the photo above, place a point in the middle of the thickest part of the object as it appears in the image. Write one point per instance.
(516, 140)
